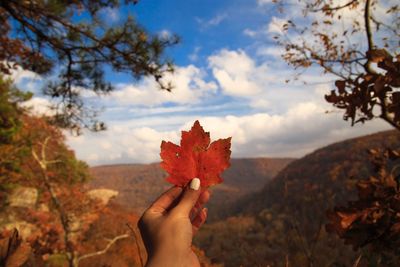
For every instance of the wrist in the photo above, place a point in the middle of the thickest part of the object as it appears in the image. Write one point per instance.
(165, 258)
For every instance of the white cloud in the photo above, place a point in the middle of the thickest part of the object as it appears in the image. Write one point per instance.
(302, 129)
(195, 55)
(280, 119)
(123, 144)
(19, 74)
(249, 32)
(234, 71)
(287, 121)
(189, 87)
(276, 25)
(39, 106)
(272, 51)
(214, 21)
(263, 86)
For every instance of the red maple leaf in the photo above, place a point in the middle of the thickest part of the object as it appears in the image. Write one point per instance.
(195, 157)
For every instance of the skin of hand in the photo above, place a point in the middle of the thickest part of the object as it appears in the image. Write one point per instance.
(167, 227)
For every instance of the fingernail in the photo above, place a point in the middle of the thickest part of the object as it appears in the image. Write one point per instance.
(195, 184)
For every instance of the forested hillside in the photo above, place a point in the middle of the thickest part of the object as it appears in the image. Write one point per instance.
(285, 221)
(139, 184)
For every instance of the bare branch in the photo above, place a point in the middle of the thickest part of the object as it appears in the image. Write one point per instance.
(100, 252)
(328, 8)
(63, 215)
(357, 262)
(368, 32)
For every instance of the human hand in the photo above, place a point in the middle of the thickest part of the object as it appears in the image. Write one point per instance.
(169, 224)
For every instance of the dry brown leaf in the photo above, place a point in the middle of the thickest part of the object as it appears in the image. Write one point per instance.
(347, 219)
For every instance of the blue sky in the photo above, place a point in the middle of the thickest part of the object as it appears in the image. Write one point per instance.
(229, 75)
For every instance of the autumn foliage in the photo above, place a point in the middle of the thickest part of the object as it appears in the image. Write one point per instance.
(373, 220)
(34, 156)
(363, 96)
(195, 157)
(356, 42)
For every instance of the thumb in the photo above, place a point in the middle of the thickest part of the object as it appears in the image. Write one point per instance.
(189, 197)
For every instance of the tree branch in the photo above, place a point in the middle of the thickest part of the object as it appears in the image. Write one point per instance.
(367, 20)
(357, 262)
(81, 49)
(100, 252)
(63, 216)
(368, 31)
(325, 8)
(385, 115)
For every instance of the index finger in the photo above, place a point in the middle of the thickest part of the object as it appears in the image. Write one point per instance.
(164, 202)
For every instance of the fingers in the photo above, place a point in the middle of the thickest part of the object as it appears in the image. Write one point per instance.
(204, 197)
(166, 200)
(202, 200)
(199, 220)
(189, 198)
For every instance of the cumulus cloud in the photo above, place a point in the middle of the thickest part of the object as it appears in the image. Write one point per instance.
(121, 144)
(280, 119)
(189, 86)
(235, 72)
(302, 129)
(263, 86)
(287, 121)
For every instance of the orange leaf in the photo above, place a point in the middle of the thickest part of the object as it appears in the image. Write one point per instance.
(347, 219)
(195, 157)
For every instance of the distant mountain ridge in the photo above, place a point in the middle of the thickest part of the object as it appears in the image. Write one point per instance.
(139, 184)
(285, 220)
(335, 168)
